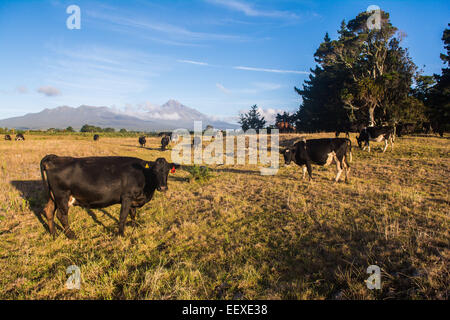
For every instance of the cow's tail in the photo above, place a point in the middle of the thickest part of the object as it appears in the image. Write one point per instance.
(349, 143)
(44, 166)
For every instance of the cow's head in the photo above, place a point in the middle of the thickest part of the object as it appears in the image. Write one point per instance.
(288, 155)
(361, 137)
(160, 169)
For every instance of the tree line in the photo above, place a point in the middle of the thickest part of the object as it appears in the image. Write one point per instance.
(366, 77)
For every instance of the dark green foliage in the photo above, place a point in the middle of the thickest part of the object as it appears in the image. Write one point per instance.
(199, 173)
(438, 102)
(364, 76)
(252, 119)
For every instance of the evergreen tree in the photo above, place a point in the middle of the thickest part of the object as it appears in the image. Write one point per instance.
(252, 119)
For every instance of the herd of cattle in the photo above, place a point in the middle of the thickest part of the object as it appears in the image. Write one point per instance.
(99, 182)
(19, 137)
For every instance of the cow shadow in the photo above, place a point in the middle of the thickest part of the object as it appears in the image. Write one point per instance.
(33, 192)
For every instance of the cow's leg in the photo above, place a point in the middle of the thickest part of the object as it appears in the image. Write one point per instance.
(339, 168)
(346, 167)
(133, 216)
(386, 144)
(304, 172)
(124, 210)
(49, 210)
(308, 166)
(63, 216)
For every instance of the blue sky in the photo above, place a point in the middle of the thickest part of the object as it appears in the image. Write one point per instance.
(217, 56)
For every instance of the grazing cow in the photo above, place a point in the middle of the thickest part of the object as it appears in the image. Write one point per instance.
(20, 137)
(354, 128)
(142, 141)
(377, 134)
(405, 128)
(99, 182)
(8, 137)
(321, 152)
(165, 142)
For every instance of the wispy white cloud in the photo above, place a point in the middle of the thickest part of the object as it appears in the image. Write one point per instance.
(222, 88)
(251, 11)
(49, 91)
(199, 63)
(270, 70)
(169, 30)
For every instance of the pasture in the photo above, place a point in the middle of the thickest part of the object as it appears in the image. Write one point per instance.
(238, 235)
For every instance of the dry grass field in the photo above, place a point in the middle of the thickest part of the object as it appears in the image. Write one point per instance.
(239, 235)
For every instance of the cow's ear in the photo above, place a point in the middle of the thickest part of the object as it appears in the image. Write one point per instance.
(282, 151)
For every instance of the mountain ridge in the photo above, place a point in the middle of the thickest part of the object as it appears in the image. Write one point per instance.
(169, 116)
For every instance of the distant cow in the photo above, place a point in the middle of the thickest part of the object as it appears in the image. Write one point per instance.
(434, 127)
(20, 137)
(96, 137)
(99, 182)
(354, 128)
(164, 142)
(167, 133)
(321, 152)
(8, 137)
(142, 141)
(377, 134)
(405, 128)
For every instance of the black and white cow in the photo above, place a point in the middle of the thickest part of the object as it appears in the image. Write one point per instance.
(20, 137)
(377, 134)
(322, 152)
(99, 182)
(96, 137)
(8, 137)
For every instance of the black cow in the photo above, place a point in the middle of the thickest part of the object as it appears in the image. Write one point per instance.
(321, 152)
(142, 141)
(99, 182)
(405, 128)
(96, 137)
(434, 127)
(377, 134)
(165, 142)
(354, 128)
(8, 137)
(20, 137)
(169, 134)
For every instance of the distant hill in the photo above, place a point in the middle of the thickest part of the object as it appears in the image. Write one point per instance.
(169, 116)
